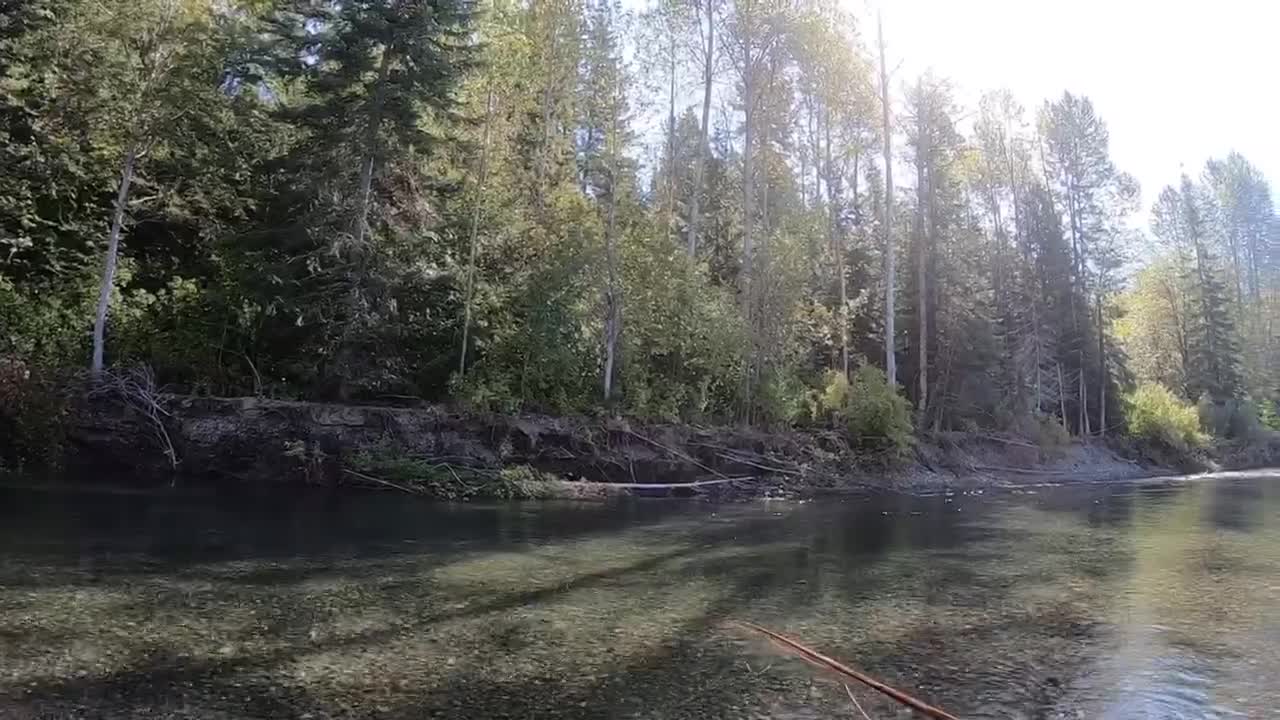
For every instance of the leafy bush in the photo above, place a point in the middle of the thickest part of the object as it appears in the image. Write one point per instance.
(870, 408)
(42, 332)
(1236, 419)
(1048, 432)
(682, 340)
(46, 327)
(521, 482)
(1156, 415)
(539, 348)
(1268, 417)
(391, 464)
(835, 395)
(32, 410)
(486, 391)
(780, 400)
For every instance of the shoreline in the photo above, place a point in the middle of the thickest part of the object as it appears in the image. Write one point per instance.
(440, 452)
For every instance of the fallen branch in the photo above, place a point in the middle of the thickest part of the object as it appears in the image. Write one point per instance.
(1007, 441)
(1022, 471)
(669, 486)
(136, 389)
(456, 478)
(677, 453)
(855, 702)
(380, 481)
(817, 658)
(734, 456)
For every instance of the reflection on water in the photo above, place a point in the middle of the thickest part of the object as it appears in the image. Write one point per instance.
(1149, 601)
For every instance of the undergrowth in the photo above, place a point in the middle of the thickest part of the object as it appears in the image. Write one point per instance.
(1157, 416)
(393, 466)
(33, 410)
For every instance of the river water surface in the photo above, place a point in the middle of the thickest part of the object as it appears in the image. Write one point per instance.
(1117, 601)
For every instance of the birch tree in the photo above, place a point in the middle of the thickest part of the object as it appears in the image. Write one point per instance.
(706, 19)
(130, 72)
(890, 264)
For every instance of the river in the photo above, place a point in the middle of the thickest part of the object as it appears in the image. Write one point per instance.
(1148, 600)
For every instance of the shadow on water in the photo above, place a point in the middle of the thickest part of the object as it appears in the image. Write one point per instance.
(163, 683)
(192, 528)
(199, 607)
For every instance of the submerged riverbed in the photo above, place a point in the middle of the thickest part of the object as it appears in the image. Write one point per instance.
(1115, 601)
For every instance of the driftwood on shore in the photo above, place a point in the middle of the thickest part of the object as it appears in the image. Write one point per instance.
(666, 486)
(1020, 471)
(384, 483)
(602, 488)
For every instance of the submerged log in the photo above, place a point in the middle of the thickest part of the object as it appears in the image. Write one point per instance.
(813, 656)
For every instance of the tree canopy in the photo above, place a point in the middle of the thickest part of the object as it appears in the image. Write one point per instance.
(566, 206)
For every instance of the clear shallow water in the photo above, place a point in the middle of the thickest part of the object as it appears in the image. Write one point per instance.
(1121, 601)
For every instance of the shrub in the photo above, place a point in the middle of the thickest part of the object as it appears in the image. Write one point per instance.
(32, 411)
(835, 395)
(683, 338)
(870, 408)
(1156, 415)
(45, 328)
(1236, 419)
(781, 399)
(1048, 432)
(521, 482)
(392, 464)
(1267, 415)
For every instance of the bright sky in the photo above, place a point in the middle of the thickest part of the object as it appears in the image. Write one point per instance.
(1177, 82)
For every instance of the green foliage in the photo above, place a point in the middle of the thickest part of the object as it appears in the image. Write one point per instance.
(1157, 415)
(45, 327)
(521, 482)
(326, 188)
(1268, 416)
(1236, 419)
(390, 463)
(540, 349)
(782, 399)
(683, 345)
(1047, 432)
(32, 409)
(876, 412)
(836, 394)
(870, 409)
(443, 481)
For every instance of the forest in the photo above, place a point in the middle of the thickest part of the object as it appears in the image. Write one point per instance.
(730, 211)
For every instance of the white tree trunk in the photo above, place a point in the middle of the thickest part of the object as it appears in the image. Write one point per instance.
(113, 252)
(671, 140)
(708, 71)
(890, 271)
(475, 231)
(545, 148)
(613, 290)
(1062, 399)
(748, 183)
(836, 242)
(922, 276)
(361, 221)
(1102, 377)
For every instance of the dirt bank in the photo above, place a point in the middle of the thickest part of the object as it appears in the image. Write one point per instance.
(257, 440)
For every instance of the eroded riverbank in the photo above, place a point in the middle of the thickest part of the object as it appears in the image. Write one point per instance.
(1041, 604)
(451, 454)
